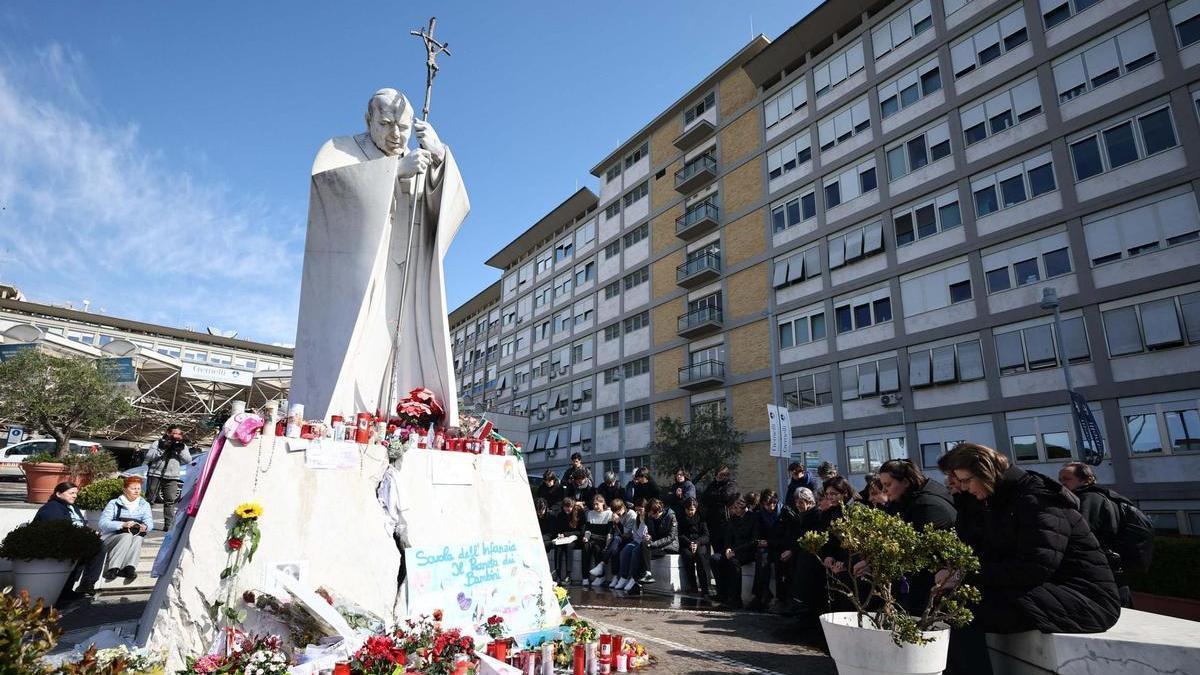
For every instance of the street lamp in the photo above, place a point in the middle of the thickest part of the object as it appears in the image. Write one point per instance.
(1050, 301)
(619, 378)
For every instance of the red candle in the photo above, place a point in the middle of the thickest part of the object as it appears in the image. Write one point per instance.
(580, 659)
(500, 650)
(341, 668)
(617, 641)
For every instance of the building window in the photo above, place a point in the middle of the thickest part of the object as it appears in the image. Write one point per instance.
(1033, 348)
(793, 210)
(1185, 15)
(612, 332)
(1055, 12)
(1002, 111)
(714, 408)
(562, 286)
(836, 69)
(636, 234)
(637, 322)
(611, 375)
(1013, 185)
(612, 174)
(636, 194)
(844, 124)
(634, 279)
(989, 42)
(857, 244)
(850, 184)
(869, 379)
(585, 272)
(612, 420)
(1110, 58)
(612, 290)
(794, 98)
(637, 414)
(612, 250)
(948, 364)
(565, 249)
(806, 390)
(1158, 222)
(612, 210)
(1153, 325)
(585, 234)
(787, 157)
(901, 27)
(927, 218)
(904, 91)
(937, 289)
(637, 367)
(1123, 143)
(798, 267)
(917, 152)
(863, 311)
(867, 455)
(801, 330)
(698, 109)
(637, 155)
(1027, 263)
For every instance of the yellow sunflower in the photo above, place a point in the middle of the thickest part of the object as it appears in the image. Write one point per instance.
(248, 510)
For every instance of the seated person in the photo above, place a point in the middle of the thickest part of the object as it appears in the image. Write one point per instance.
(597, 528)
(124, 523)
(662, 536)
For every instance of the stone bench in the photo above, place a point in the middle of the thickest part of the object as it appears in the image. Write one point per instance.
(667, 572)
(1139, 644)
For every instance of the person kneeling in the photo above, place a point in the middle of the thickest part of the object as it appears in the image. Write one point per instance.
(123, 527)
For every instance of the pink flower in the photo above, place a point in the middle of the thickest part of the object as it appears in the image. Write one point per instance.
(208, 664)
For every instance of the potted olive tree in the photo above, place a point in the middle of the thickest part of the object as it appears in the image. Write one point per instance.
(59, 397)
(44, 553)
(879, 636)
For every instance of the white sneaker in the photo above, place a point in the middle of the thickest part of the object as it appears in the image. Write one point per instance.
(630, 584)
(586, 582)
(616, 581)
(596, 571)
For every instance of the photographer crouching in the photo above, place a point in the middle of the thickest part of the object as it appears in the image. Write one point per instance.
(164, 460)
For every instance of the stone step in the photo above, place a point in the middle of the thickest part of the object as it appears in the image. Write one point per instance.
(144, 582)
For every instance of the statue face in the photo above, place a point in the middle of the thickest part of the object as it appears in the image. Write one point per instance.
(390, 125)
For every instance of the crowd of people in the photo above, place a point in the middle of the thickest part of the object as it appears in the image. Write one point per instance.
(1050, 551)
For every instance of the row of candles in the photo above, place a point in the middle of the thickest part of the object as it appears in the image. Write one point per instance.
(367, 428)
(594, 658)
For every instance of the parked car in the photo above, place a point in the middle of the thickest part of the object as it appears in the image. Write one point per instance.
(10, 462)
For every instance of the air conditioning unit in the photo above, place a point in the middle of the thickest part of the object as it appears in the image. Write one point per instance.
(540, 414)
(562, 409)
(562, 370)
(890, 400)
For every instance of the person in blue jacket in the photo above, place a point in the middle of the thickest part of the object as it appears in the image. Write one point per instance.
(124, 523)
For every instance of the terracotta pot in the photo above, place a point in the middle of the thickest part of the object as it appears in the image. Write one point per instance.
(41, 478)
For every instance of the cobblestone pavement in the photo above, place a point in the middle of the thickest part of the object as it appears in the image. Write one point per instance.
(693, 637)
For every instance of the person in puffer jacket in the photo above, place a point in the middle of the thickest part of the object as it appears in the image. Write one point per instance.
(597, 527)
(1041, 566)
(624, 522)
(662, 528)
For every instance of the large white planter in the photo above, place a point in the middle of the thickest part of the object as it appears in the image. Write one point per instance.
(863, 651)
(42, 578)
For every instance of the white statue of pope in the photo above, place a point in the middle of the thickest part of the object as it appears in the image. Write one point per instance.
(356, 255)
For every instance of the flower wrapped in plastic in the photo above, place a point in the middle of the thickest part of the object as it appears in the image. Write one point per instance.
(419, 409)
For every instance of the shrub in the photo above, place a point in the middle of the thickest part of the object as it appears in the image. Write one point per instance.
(94, 496)
(99, 463)
(53, 539)
(1172, 555)
(28, 630)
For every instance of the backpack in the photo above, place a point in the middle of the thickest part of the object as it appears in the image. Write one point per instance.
(1135, 535)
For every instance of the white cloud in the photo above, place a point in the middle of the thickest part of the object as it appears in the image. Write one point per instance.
(90, 212)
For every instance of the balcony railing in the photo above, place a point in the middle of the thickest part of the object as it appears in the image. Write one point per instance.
(700, 321)
(702, 374)
(698, 130)
(696, 173)
(699, 270)
(700, 218)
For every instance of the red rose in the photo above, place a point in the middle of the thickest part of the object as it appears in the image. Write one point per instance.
(248, 597)
(234, 543)
(437, 615)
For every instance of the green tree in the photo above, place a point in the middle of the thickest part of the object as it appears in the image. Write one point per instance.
(700, 446)
(59, 396)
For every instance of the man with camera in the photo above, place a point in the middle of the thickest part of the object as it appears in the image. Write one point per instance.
(165, 459)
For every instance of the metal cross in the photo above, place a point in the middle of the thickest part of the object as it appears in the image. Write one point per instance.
(432, 49)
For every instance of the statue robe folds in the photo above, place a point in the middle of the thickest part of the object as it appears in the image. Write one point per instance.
(351, 285)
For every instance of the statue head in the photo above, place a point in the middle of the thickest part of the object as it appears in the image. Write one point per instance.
(389, 121)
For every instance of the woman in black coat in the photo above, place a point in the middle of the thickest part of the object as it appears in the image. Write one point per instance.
(715, 501)
(694, 549)
(61, 506)
(1041, 567)
(919, 501)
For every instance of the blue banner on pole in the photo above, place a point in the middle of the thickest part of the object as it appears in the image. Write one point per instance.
(9, 351)
(1090, 437)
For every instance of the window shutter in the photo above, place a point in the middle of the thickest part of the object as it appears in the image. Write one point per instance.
(889, 375)
(902, 28)
(919, 374)
(943, 365)
(812, 263)
(881, 40)
(962, 56)
(1177, 215)
(1039, 345)
(873, 238)
(849, 376)
(837, 252)
(854, 58)
(1135, 43)
(970, 361)
(1190, 304)
(781, 273)
(1102, 238)
(973, 116)
(1074, 337)
(1013, 23)
(1069, 75)
(1101, 58)
(866, 379)
(1121, 328)
(1026, 97)
(1009, 352)
(854, 245)
(1160, 323)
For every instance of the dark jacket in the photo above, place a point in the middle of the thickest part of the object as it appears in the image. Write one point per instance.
(582, 495)
(562, 525)
(790, 526)
(1102, 514)
(57, 509)
(610, 492)
(685, 489)
(714, 501)
(929, 503)
(692, 530)
(741, 535)
(548, 524)
(552, 495)
(664, 532)
(1041, 566)
(646, 491)
(807, 481)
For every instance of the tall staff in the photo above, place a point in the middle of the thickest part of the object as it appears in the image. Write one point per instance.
(432, 49)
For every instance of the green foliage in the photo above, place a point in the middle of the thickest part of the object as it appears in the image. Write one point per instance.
(50, 539)
(700, 446)
(28, 630)
(892, 549)
(99, 463)
(1166, 576)
(59, 396)
(94, 496)
(42, 458)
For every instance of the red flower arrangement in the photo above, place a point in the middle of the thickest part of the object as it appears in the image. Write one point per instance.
(379, 655)
(494, 627)
(420, 409)
(430, 649)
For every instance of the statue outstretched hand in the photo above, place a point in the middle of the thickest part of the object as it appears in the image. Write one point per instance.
(414, 162)
(429, 140)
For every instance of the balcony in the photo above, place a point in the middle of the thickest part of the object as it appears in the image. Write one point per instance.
(702, 375)
(697, 131)
(699, 270)
(696, 173)
(700, 322)
(700, 219)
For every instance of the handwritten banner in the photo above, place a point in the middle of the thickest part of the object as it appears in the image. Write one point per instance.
(472, 581)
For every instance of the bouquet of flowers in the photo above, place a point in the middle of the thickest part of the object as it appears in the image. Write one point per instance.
(494, 627)
(379, 655)
(581, 631)
(419, 409)
(245, 654)
(432, 650)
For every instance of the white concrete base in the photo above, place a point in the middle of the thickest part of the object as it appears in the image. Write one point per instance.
(1140, 644)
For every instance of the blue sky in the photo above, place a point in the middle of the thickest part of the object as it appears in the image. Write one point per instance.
(154, 157)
